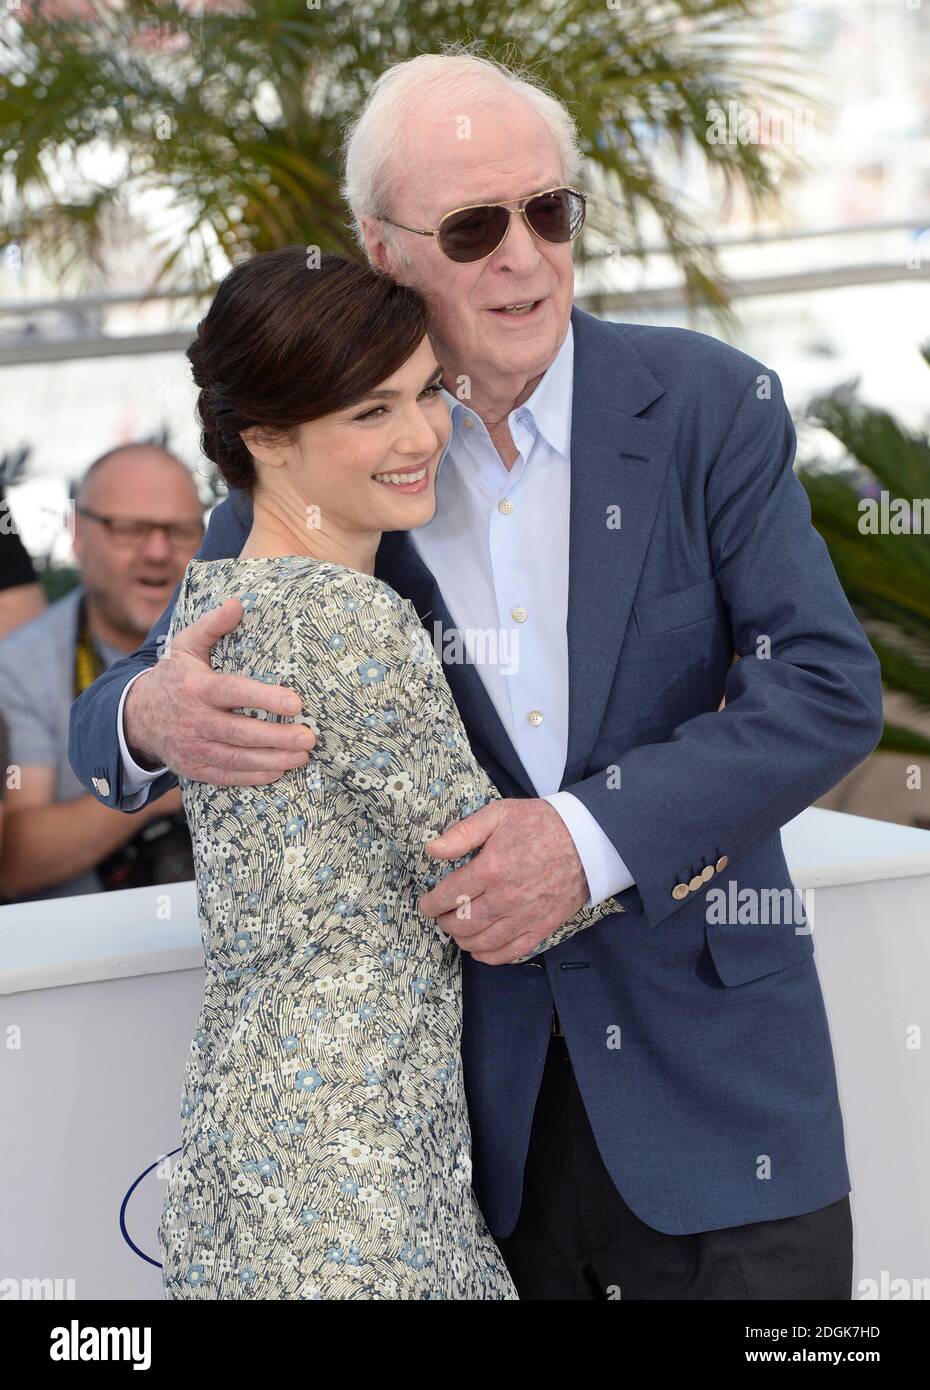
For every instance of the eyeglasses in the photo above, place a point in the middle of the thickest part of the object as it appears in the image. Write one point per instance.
(474, 233)
(129, 531)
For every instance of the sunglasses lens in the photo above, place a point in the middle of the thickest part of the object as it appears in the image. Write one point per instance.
(557, 216)
(473, 233)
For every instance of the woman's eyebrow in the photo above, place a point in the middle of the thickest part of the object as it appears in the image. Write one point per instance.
(385, 394)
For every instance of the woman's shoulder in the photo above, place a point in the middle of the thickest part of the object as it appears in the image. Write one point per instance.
(301, 595)
(342, 634)
(286, 580)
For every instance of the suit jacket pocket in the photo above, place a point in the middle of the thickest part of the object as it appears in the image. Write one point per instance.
(741, 953)
(682, 608)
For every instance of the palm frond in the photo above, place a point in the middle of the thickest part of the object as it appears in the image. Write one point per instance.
(866, 512)
(238, 109)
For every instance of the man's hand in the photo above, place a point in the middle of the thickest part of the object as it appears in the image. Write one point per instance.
(527, 880)
(178, 714)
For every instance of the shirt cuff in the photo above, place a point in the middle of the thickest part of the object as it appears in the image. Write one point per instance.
(605, 870)
(136, 780)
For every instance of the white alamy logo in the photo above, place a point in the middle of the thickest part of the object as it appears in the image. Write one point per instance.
(34, 1290)
(76, 1343)
(886, 1288)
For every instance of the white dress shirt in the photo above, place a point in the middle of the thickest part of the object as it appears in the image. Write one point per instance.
(498, 547)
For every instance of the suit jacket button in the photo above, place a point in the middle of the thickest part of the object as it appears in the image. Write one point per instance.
(707, 872)
(680, 891)
(102, 786)
(695, 883)
(721, 864)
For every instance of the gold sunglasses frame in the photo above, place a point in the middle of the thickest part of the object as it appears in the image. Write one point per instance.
(507, 204)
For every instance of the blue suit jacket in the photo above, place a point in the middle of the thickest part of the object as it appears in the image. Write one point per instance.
(699, 1040)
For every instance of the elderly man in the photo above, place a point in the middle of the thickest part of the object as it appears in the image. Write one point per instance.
(137, 522)
(653, 1104)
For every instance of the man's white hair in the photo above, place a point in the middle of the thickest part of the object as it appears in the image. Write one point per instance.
(374, 138)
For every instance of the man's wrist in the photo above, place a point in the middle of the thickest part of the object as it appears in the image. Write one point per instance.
(605, 871)
(135, 768)
(144, 760)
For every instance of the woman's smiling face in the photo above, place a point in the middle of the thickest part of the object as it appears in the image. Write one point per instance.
(343, 474)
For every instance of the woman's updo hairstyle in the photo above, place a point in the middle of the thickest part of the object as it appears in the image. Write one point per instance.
(287, 340)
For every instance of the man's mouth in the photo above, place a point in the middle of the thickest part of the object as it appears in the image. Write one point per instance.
(156, 585)
(518, 310)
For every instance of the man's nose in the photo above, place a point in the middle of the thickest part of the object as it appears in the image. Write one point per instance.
(156, 545)
(519, 251)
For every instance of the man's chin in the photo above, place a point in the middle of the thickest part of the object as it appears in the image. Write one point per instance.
(532, 346)
(142, 617)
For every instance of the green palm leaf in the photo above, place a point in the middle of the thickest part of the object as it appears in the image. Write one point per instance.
(239, 111)
(886, 571)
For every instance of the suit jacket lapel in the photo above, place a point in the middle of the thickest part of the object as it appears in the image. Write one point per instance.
(619, 462)
(399, 565)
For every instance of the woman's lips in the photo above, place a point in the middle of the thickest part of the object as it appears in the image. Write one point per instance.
(420, 477)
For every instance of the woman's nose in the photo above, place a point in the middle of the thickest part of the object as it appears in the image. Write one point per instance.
(421, 437)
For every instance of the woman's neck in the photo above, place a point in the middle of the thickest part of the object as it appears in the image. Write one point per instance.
(275, 533)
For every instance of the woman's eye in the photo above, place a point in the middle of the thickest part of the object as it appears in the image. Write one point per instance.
(430, 391)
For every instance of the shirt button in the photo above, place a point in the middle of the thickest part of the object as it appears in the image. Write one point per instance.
(535, 717)
(505, 505)
(519, 615)
(468, 422)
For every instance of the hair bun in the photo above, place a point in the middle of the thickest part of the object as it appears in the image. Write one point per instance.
(197, 356)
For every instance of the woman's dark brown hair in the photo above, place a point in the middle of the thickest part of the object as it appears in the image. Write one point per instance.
(286, 340)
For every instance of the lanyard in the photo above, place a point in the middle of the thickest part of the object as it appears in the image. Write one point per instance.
(87, 662)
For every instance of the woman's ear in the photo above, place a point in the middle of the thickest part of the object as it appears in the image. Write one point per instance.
(263, 447)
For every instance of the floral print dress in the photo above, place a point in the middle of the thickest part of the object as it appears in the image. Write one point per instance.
(326, 1146)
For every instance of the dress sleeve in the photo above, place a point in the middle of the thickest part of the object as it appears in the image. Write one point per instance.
(388, 728)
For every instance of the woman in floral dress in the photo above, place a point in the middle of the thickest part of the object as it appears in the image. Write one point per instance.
(326, 1147)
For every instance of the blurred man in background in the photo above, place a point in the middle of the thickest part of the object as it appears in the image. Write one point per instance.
(3, 767)
(138, 521)
(21, 599)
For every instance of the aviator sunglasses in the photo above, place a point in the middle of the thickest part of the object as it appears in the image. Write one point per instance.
(474, 233)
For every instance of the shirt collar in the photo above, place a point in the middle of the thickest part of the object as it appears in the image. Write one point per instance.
(549, 407)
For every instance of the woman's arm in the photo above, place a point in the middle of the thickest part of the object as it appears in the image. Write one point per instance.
(388, 727)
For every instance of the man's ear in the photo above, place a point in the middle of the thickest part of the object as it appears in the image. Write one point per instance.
(376, 247)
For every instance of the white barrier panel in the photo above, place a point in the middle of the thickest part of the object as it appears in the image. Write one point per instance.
(99, 996)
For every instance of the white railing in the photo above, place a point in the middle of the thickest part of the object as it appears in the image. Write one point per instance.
(99, 997)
